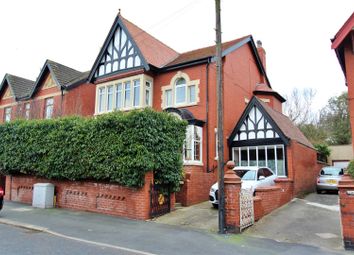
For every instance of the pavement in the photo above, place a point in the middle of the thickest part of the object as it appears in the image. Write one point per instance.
(137, 237)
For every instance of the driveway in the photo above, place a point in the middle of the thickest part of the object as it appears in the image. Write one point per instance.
(314, 221)
(200, 216)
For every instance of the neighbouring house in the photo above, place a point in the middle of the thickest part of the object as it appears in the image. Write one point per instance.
(340, 155)
(134, 70)
(343, 44)
(58, 91)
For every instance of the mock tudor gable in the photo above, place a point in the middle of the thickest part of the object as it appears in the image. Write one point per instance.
(126, 48)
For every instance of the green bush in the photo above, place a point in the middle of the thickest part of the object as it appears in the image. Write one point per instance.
(117, 147)
(323, 149)
(350, 168)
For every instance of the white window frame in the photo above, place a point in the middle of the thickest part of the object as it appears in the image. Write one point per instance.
(185, 87)
(216, 144)
(47, 106)
(125, 105)
(274, 147)
(148, 88)
(27, 110)
(190, 133)
(7, 114)
(172, 87)
(107, 98)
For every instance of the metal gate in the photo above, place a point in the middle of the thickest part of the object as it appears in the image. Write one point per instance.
(159, 200)
(246, 208)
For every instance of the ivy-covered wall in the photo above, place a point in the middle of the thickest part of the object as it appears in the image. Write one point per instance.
(117, 147)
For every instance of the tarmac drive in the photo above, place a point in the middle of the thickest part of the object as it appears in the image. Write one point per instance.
(314, 220)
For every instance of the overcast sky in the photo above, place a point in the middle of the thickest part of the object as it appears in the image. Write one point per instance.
(295, 34)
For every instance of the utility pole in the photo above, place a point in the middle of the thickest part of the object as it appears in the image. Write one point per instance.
(220, 117)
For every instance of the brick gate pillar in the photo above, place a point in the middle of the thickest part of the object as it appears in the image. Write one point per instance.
(232, 199)
(346, 202)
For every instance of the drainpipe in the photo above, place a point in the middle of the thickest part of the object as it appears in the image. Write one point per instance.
(207, 115)
(61, 102)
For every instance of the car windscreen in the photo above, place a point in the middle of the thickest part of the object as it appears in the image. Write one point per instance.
(246, 174)
(331, 171)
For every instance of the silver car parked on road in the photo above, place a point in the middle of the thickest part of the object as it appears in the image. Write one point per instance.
(328, 178)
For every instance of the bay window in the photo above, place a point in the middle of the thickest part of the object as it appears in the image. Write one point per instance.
(192, 149)
(271, 156)
(124, 94)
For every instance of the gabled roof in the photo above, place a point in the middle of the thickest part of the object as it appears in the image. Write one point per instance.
(343, 32)
(150, 50)
(20, 87)
(203, 52)
(338, 39)
(64, 76)
(155, 52)
(263, 89)
(210, 52)
(286, 129)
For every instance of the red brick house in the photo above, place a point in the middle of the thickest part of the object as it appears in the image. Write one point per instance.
(58, 91)
(343, 44)
(135, 70)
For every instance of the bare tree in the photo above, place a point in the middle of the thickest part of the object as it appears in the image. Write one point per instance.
(298, 106)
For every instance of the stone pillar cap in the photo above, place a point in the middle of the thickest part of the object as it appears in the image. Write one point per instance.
(230, 175)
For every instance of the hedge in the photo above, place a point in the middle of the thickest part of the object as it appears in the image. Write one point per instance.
(350, 168)
(117, 147)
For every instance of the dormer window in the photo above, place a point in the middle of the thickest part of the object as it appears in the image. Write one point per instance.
(124, 94)
(181, 92)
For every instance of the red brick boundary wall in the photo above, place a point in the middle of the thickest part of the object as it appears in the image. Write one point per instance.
(268, 199)
(346, 201)
(113, 199)
(196, 186)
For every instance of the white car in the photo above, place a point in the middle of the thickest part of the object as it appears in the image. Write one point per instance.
(252, 177)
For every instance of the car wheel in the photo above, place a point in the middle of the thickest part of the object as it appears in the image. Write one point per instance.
(319, 191)
(216, 206)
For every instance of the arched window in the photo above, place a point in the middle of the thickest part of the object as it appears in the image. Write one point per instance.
(180, 91)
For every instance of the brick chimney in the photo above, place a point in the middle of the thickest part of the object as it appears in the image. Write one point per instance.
(261, 53)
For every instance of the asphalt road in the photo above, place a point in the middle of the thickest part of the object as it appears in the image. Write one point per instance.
(20, 241)
(62, 231)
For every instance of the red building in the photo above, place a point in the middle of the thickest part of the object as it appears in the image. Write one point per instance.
(58, 91)
(134, 70)
(343, 44)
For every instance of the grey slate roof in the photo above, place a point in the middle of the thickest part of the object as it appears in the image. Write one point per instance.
(64, 76)
(21, 87)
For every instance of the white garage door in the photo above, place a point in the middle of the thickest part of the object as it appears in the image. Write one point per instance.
(341, 164)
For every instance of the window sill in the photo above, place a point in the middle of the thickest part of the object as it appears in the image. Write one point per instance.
(122, 110)
(180, 105)
(192, 163)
